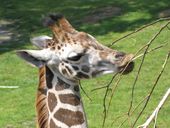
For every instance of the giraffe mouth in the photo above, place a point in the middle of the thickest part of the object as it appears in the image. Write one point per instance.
(126, 65)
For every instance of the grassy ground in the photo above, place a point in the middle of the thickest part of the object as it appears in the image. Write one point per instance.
(22, 19)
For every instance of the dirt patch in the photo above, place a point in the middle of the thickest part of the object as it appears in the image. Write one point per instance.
(102, 13)
(29, 124)
(26, 124)
(10, 126)
(5, 32)
(164, 13)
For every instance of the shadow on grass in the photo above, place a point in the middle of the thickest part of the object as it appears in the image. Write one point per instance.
(26, 17)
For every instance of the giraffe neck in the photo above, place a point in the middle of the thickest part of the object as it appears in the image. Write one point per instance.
(59, 104)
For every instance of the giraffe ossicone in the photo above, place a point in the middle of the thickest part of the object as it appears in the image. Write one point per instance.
(63, 60)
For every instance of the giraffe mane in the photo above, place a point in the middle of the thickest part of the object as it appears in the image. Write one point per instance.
(41, 104)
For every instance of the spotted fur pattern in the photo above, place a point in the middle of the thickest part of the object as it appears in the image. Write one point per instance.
(68, 57)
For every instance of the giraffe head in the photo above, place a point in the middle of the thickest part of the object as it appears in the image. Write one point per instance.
(74, 55)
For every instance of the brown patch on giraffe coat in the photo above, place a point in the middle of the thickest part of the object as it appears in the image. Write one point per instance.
(88, 41)
(52, 48)
(49, 78)
(61, 85)
(53, 125)
(55, 40)
(75, 67)
(66, 35)
(82, 37)
(76, 88)
(70, 99)
(66, 26)
(69, 117)
(52, 44)
(64, 71)
(82, 75)
(63, 40)
(52, 101)
(85, 68)
(57, 32)
(74, 41)
(103, 55)
(42, 90)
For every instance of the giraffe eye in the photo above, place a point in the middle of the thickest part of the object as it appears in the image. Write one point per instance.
(76, 57)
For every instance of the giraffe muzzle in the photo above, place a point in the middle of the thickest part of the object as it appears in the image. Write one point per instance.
(126, 65)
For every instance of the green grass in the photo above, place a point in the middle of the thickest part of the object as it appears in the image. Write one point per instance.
(17, 105)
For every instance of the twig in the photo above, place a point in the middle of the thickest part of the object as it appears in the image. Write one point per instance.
(85, 92)
(154, 85)
(122, 123)
(98, 88)
(142, 61)
(104, 100)
(145, 46)
(116, 84)
(168, 27)
(153, 49)
(137, 30)
(135, 57)
(137, 106)
(121, 116)
(114, 88)
(9, 86)
(156, 111)
(146, 51)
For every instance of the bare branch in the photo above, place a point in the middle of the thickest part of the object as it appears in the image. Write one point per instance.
(121, 116)
(156, 111)
(153, 49)
(117, 82)
(104, 100)
(168, 27)
(84, 91)
(154, 85)
(146, 50)
(113, 90)
(143, 58)
(98, 88)
(135, 57)
(137, 106)
(145, 26)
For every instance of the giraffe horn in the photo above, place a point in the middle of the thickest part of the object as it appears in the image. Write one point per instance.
(66, 26)
(61, 21)
(51, 19)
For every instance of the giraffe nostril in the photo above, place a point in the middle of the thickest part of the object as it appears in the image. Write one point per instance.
(119, 55)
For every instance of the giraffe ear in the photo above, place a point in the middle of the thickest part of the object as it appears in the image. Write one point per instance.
(36, 58)
(41, 41)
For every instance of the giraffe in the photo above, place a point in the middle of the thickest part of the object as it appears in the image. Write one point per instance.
(63, 60)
